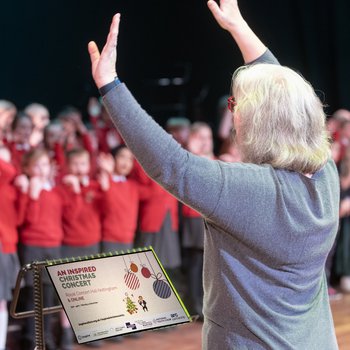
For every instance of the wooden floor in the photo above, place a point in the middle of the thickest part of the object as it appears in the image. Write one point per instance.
(188, 337)
(341, 316)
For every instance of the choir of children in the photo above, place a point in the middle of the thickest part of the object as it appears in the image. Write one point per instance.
(65, 196)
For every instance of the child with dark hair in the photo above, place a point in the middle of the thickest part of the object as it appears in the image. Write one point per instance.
(53, 144)
(75, 132)
(119, 220)
(22, 128)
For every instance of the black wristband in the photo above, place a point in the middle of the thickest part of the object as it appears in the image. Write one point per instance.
(105, 88)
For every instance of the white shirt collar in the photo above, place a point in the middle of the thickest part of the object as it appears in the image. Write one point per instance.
(85, 181)
(118, 178)
(47, 186)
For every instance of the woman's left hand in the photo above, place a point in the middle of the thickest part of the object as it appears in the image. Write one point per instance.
(103, 64)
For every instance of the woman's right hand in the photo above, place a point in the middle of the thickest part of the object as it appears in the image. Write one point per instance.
(229, 17)
(103, 65)
(227, 14)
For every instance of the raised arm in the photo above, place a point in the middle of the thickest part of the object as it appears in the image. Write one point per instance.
(229, 18)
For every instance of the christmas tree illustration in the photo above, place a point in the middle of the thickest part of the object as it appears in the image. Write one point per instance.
(131, 307)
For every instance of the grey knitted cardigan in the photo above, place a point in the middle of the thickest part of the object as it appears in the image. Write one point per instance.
(267, 236)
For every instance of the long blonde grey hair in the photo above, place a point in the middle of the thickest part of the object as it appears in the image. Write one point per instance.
(282, 121)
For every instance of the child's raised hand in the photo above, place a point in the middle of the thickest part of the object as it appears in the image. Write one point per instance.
(80, 126)
(103, 179)
(22, 183)
(105, 162)
(35, 187)
(73, 182)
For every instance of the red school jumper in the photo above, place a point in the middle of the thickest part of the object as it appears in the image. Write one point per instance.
(119, 219)
(17, 152)
(154, 208)
(107, 135)
(11, 209)
(85, 229)
(42, 224)
(188, 212)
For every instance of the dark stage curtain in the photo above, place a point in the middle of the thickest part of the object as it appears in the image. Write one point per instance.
(43, 47)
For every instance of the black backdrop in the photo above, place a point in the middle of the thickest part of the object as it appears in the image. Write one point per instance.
(43, 53)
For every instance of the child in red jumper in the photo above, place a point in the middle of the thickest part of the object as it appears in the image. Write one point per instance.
(41, 232)
(82, 236)
(11, 212)
(158, 223)
(53, 143)
(40, 118)
(200, 142)
(119, 220)
(107, 135)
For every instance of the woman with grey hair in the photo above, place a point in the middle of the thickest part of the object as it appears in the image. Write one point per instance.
(271, 220)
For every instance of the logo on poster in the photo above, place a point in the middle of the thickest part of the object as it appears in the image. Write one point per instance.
(130, 325)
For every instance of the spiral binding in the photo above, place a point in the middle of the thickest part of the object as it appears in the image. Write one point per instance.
(38, 307)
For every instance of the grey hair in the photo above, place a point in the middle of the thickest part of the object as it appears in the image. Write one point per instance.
(282, 122)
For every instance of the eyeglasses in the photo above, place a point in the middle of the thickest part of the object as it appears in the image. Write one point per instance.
(231, 104)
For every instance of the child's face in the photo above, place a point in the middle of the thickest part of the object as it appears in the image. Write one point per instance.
(68, 125)
(53, 135)
(180, 134)
(124, 162)
(23, 130)
(40, 118)
(40, 167)
(206, 137)
(79, 165)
